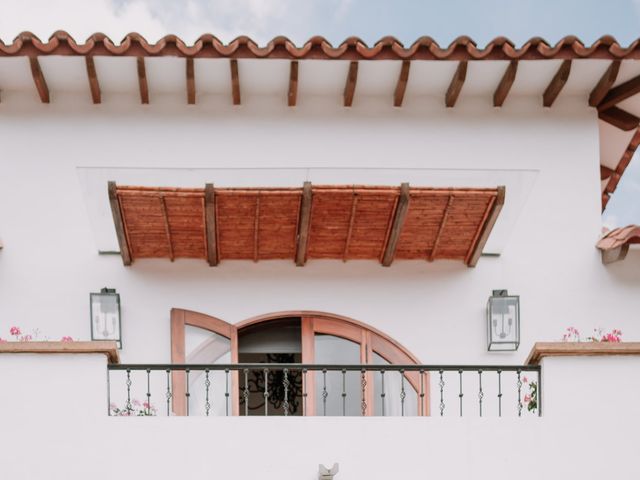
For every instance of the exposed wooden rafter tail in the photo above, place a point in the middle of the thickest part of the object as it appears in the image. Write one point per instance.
(620, 93)
(400, 214)
(142, 81)
(235, 81)
(604, 84)
(619, 118)
(292, 94)
(94, 84)
(304, 224)
(191, 82)
(491, 217)
(401, 86)
(455, 87)
(502, 90)
(39, 80)
(557, 84)
(350, 85)
(118, 222)
(210, 224)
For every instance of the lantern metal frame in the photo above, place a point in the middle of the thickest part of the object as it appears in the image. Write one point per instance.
(106, 291)
(514, 343)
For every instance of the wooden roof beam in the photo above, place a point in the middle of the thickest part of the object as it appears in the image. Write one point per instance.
(191, 82)
(455, 87)
(210, 224)
(256, 230)
(142, 81)
(401, 86)
(39, 80)
(352, 217)
(443, 223)
(619, 118)
(620, 93)
(604, 84)
(292, 95)
(605, 172)
(491, 215)
(350, 86)
(304, 224)
(557, 84)
(402, 207)
(500, 95)
(118, 222)
(167, 230)
(92, 75)
(235, 81)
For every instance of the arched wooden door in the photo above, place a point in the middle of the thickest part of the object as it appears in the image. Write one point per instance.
(325, 339)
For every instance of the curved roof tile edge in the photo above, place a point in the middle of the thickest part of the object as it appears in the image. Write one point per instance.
(353, 48)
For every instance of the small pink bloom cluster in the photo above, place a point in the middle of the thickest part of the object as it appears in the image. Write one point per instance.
(66, 339)
(572, 335)
(136, 409)
(614, 336)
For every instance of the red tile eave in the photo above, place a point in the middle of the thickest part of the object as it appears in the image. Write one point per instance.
(353, 48)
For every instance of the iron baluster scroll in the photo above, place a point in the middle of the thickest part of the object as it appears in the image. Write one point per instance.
(278, 387)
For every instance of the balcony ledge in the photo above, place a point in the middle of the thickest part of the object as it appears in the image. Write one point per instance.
(108, 348)
(579, 349)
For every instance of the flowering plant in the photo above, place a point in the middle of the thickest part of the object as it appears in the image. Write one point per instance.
(135, 408)
(599, 335)
(531, 397)
(16, 332)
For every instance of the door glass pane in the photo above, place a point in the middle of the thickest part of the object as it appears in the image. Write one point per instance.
(330, 349)
(393, 405)
(204, 346)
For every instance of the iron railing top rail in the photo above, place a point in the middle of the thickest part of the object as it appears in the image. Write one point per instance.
(320, 367)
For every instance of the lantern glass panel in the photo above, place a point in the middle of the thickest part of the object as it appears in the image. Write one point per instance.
(503, 322)
(105, 316)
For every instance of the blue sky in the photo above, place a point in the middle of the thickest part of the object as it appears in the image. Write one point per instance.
(337, 19)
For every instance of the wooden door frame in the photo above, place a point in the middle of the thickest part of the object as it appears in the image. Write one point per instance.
(312, 322)
(180, 318)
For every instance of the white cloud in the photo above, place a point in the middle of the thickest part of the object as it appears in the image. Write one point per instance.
(227, 19)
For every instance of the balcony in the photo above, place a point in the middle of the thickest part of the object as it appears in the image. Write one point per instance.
(55, 397)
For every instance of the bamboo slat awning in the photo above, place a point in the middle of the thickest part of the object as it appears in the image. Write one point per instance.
(312, 222)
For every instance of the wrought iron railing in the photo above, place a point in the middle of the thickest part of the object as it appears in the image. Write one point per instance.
(324, 390)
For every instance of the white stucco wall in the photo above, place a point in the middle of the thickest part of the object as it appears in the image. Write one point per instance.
(60, 431)
(49, 263)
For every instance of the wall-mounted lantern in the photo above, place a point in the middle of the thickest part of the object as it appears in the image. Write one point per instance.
(503, 321)
(105, 316)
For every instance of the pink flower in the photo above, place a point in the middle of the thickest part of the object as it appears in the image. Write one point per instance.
(525, 379)
(527, 398)
(2, 340)
(66, 339)
(15, 331)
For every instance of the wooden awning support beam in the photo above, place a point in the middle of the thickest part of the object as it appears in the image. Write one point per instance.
(292, 95)
(619, 118)
(235, 81)
(443, 224)
(604, 84)
(303, 224)
(118, 223)
(605, 172)
(402, 207)
(350, 86)
(167, 229)
(500, 95)
(92, 75)
(491, 217)
(191, 82)
(38, 79)
(401, 86)
(455, 87)
(210, 224)
(142, 81)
